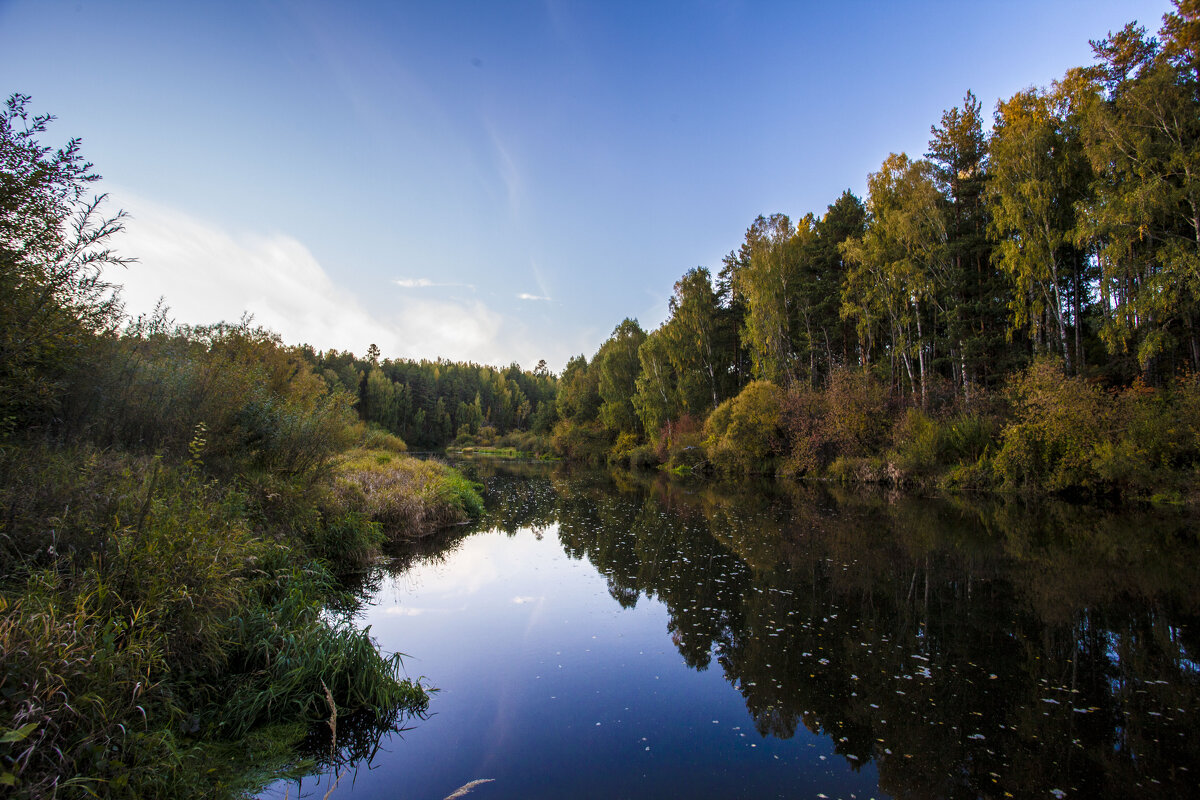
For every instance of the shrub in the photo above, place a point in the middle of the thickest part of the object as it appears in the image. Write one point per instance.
(918, 446)
(856, 417)
(581, 441)
(643, 456)
(124, 629)
(372, 437)
(622, 448)
(1051, 442)
(347, 540)
(808, 446)
(743, 432)
(976, 475)
(260, 404)
(968, 436)
(855, 469)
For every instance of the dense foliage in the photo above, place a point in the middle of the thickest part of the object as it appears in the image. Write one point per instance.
(997, 313)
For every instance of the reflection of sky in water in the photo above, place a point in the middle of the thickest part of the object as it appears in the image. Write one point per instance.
(551, 688)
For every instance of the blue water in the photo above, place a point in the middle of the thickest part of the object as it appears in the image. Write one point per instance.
(601, 639)
(549, 688)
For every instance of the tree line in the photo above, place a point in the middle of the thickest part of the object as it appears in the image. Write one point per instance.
(430, 404)
(1068, 230)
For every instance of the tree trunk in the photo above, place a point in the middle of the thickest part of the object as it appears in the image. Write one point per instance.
(1078, 321)
(966, 380)
(921, 356)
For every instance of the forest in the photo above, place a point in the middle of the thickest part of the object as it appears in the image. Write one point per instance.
(1016, 310)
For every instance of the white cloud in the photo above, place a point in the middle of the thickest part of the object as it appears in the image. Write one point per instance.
(527, 296)
(205, 274)
(422, 283)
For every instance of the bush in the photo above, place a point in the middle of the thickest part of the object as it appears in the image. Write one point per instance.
(622, 448)
(130, 626)
(976, 475)
(643, 456)
(1051, 442)
(743, 432)
(856, 418)
(581, 441)
(257, 402)
(526, 443)
(967, 437)
(347, 541)
(854, 469)
(809, 447)
(372, 437)
(848, 418)
(919, 443)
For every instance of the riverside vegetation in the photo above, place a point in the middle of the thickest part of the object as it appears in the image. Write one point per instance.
(1017, 311)
(176, 503)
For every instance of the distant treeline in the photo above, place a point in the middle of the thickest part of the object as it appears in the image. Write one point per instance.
(430, 403)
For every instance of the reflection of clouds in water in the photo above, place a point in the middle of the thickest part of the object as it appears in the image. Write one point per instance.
(472, 568)
(400, 611)
(523, 600)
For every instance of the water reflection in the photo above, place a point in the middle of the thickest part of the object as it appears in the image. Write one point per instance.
(968, 648)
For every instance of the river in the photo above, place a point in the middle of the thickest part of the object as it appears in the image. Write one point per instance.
(608, 636)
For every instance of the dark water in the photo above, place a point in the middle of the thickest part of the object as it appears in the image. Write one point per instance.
(611, 637)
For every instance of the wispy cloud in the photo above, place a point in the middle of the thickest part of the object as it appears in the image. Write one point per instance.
(404, 611)
(422, 283)
(527, 296)
(507, 169)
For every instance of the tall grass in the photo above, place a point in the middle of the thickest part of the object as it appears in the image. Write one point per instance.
(166, 551)
(406, 496)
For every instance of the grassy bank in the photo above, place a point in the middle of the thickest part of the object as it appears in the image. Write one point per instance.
(167, 545)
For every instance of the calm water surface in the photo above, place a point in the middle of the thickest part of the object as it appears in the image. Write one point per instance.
(608, 636)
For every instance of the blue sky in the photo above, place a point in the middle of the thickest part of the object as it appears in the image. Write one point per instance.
(495, 181)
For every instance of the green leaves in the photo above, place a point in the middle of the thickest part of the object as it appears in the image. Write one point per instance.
(18, 734)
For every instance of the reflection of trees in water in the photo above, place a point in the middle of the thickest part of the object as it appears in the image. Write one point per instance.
(968, 647)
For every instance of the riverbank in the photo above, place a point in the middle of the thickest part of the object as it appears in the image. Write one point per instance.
(1045, 433)
(154, 617)
(169, 548)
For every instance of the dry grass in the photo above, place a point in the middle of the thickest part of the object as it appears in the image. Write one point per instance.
(408, 496)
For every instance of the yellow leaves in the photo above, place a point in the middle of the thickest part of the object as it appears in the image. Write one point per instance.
(741, 432)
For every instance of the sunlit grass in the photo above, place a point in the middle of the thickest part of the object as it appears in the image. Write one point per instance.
(407, 496)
